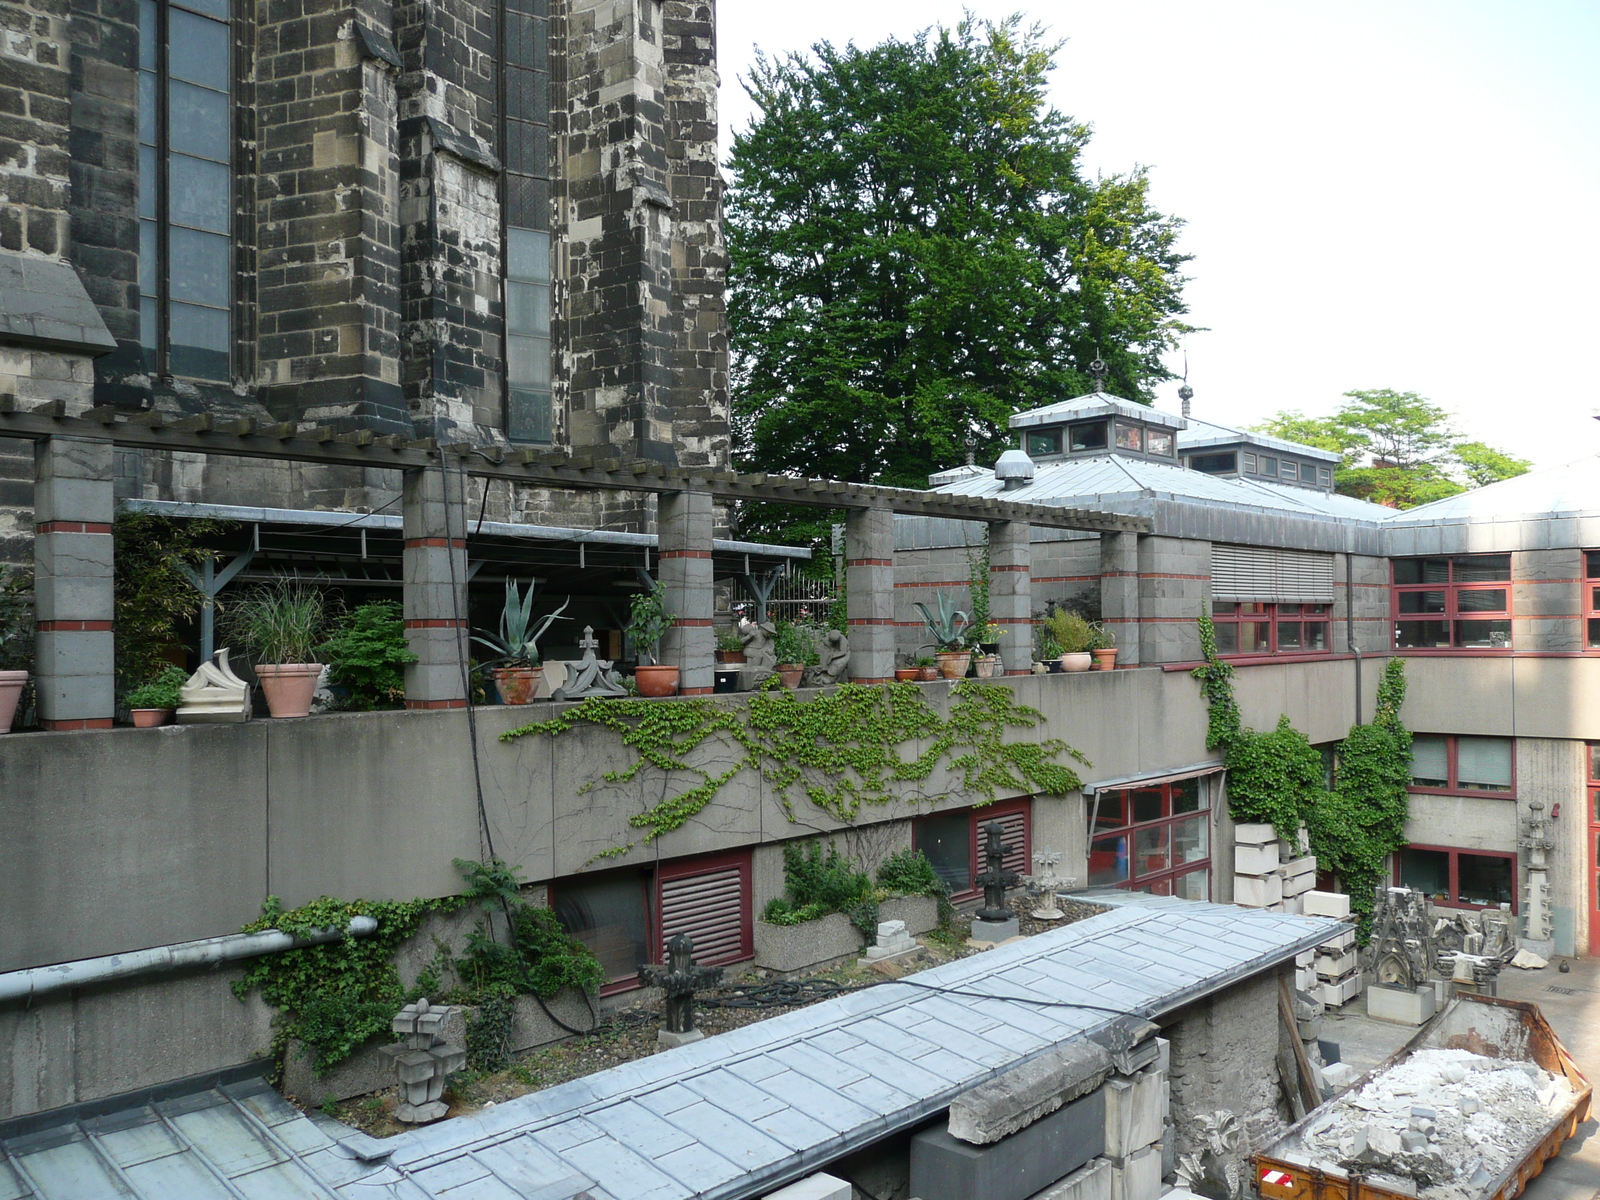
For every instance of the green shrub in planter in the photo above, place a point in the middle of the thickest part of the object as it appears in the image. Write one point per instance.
(368, 655)
(160, 692)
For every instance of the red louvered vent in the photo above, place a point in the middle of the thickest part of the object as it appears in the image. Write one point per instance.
(1013, 836)
(710, 907)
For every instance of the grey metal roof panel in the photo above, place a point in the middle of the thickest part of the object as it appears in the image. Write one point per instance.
(1096, 404)
(1210, 433)
(43, 303)
(1570, 490)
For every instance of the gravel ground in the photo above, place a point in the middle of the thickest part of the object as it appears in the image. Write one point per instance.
(629, 1032)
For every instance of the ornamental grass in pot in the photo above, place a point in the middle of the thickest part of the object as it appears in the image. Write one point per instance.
(16, 642)
(1104, 649)
(281, 624)
(152, 703)
(516, 667)
(927, 669)
(648, 624)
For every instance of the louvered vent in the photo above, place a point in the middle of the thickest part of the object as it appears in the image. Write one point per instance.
(710, 908)
(1013, 837)
(1271, 576)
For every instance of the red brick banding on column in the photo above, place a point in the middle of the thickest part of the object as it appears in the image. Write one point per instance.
(436, 542)
(869, 562)
(1024, 570)
(684, 554)
(435, 623)
(870, 621)
(72, 527)
(74, 627)
(81, 723)
(427, 704)
(693, 622)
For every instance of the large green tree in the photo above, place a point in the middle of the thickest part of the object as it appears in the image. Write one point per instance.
(1398, 448)
(915, 253)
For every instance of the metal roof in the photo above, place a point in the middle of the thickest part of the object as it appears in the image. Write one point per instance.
(733, 1116)
(1096, 404)
(1566, 491)
(1201, 434)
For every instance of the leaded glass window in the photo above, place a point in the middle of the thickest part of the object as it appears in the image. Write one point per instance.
(525, 137)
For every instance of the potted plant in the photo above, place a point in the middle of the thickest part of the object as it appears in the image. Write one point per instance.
(649, 622)
(948, 630)
(16, 643)
(730, 647)
(989, 638)
(1074, 638)
(516, 668)
(153, 703)
(281, 625)
(794, 652)
(1049, 651)
(1104, 649)
(905, 674)
(368, 655)
(927, 669)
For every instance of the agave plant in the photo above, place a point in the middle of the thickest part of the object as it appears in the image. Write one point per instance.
(949, 626)
(517, 643)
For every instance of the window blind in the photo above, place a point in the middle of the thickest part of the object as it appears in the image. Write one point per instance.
(1483, 762)
(1261, 574)
(1430, 758)
(710, 908)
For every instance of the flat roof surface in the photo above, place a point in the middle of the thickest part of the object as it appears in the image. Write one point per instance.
(736, 1115)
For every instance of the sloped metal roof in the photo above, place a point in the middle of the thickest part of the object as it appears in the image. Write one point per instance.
(1096, 404)
(733, 1116)
(1210, 433)
(1566, 491)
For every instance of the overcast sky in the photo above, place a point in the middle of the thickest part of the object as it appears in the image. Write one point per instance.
(1379, 193)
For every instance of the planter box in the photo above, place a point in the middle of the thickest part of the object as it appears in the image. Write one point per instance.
(920, 913)
(809, 944)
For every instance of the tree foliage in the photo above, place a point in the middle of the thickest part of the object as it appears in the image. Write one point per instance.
(153, 596)
(1398, 448)
(915, 254)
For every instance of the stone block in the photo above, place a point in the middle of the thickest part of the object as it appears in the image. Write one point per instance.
(1339, 1075)
(1133, 1111)
(1254, 834)
(1343, 940)
(796, 947)
(1292, 906)
(1014, 1168)
(1336, 966)
(1257, 891)
(672, 1041)
(1090, 1182)
(995, 932)
(1136, 1176)
(920, 913)
(1296, 867)
(1255, 860)
(1033, 1089)
(813, 1187)
(1298, 885)
(1326, 904)
(1402, 1006)
(1338, 991)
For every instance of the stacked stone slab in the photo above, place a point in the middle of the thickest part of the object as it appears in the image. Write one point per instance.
(1137, 1112)
(1256, 881)
(1299, 877)
(1338, 975)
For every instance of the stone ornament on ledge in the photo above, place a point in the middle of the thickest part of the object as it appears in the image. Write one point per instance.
(423, 1062)
(590, 676)
(679, 978)
(214, 694)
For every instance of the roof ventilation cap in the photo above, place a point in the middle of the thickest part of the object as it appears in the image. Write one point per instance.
(1014, 470)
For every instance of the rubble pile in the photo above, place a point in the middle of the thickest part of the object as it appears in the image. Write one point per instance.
(1444, 1122)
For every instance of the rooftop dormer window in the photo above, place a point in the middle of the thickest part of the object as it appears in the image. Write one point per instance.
(1129, 437)
(1089, 435)
(1043, 442)
(1158, 441)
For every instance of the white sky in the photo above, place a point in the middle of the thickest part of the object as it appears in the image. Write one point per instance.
(1379, 193)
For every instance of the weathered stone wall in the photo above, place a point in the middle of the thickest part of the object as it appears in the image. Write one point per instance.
(1224, 1058)
(34, 106)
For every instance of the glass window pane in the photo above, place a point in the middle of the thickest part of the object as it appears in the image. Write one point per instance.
(149, 260)
(1186, 796)
(1422, 602)
(528, 254)
(1160, 442)
(197, 121)
(1089, 436)
(1484, 635)
(1228, 638)
(1129, 437)
(147, 35)
(528, 360)
(528, 418)
(1308, 473)
(1594, 598)
(147, 107)
(1435, 570)
(1191, 839)
(1407, 570)
(200, 267)
(1591, 560)
(1223, 608)
(1255, 637)
(1108, 861)
(148, 181)
(200, 342)
(608, 916)
(1112, 810)
(1426, 871)
(197, 49)
(1594, 634)
(149, 330)
(1249, 464)
(1316, 636)
(1482, 879)
(519, 40)
(1484, 763)
(528, 309)
(1324, 476)
(1209, 464)
(1151, 850)
(1482, 568)
(1289, 471)
(1148, 804)
(1043, 443)
(1430, 762)
(200, 194)
(1269, 466)
(1594, 761)
(1193, 885)
(1422, 634)
(1477, 600)
(1289, 635)
(211, 8)
(946, 842)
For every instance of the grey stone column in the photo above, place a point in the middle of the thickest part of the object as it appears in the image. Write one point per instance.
(73, 583)
(1011, 592)
(434, 570)
(1119, 593)
(869, 586)
(685, 521)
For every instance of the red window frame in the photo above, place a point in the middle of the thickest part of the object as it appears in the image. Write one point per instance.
(1453, 760)
(1157, 879)
(977, 818)
(1455, 853)
(1272, 615)
(1592, 821)
(1591, 599)
(1449, 612)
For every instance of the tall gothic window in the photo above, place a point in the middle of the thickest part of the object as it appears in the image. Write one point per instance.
(525, 142)
(185, 188)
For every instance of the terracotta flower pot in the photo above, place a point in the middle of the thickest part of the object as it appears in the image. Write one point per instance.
(10, 692)
(1079, 661)
(517, 685)
(790, 673)
(905, 674)
(149, 718)
(656, 680)
(730, 656)
(953, 664)
(289, 687)
(927, 674)
(985, 666)
(1105, 660)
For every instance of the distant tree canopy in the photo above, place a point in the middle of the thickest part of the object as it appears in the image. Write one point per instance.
(1398, 448)
(915, 254)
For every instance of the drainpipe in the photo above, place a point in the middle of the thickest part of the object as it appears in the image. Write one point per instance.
(1350, 623)
(40, 981)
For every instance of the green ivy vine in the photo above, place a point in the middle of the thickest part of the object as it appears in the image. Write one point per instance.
(841, 749)
(1277, 778)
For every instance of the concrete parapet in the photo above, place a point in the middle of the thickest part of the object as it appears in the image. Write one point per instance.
(685, 522)
(434, 570)
(869, 584)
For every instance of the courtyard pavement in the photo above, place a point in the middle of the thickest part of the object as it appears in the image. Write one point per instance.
(1574, 1013)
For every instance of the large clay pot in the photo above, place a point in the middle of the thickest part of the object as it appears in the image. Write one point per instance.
(953, 664)
(1105, 660)
(791, 674)
(149, 718)
(727, 657)
(927, 674)
(517, 685)
(984, 665)
(10, 692)
(656, 680)
(1080, 661)
(289, 687)
(905, 674)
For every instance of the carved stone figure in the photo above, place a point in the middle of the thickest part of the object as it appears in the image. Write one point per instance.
(680, 979)
(834, 667)
(760, 654)
(423, 1062)
(214, 694)
(1214, 1170)
(590, 676)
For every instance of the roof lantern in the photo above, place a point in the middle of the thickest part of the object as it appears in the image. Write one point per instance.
(1098, 425)
(1014, 469)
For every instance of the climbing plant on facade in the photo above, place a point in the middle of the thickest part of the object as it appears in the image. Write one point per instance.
(840, 749)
